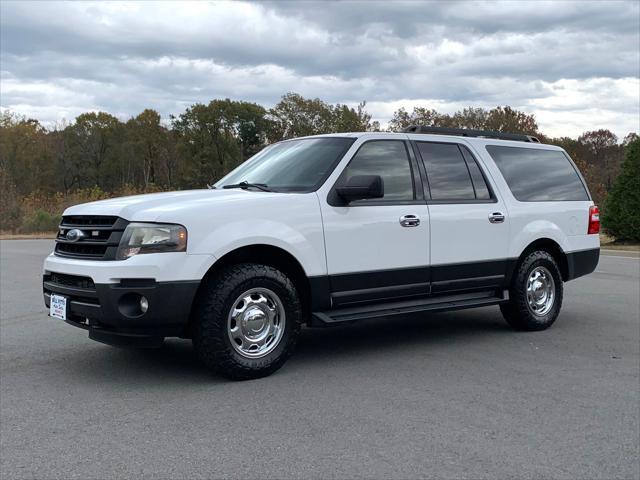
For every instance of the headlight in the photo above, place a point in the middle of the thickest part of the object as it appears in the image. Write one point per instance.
(139, 238)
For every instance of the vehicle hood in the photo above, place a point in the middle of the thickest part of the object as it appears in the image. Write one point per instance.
(170, 206)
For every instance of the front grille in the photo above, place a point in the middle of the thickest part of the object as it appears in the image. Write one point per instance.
(86, 220)
(99, 239)
(74, 281)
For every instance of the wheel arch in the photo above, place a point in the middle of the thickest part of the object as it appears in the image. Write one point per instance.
(550, 246)
(264, 254)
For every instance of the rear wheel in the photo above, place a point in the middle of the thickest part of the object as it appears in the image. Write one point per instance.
(247, 321)
(535, 293)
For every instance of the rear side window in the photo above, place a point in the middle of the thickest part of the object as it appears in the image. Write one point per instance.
(389, 159)
(536, 175)
(452, 172)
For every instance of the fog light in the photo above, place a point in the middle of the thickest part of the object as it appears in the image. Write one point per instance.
(144, 304)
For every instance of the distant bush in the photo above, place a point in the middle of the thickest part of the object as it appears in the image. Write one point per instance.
(11, 218)
(40, 221)
(621, 217)
(11, 208)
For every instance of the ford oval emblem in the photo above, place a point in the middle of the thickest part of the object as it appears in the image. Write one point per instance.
(74, 235)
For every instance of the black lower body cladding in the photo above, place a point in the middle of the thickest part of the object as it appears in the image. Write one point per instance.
(582, 262)
(332, 291)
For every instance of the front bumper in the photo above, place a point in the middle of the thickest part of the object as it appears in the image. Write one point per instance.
(110, 311)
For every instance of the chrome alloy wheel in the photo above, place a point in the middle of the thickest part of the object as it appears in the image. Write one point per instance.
(256, 323)
(541, 291)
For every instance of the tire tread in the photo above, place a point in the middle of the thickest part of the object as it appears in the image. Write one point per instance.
(209, 322)
(516, 312)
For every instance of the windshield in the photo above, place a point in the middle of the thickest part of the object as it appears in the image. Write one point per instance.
(294, 165)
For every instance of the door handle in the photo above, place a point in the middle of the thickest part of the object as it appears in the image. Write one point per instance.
(496, 217)
(409, 220)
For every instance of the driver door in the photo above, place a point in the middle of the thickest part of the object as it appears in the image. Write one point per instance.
(378, 249)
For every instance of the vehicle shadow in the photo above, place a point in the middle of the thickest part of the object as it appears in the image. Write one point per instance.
(369, 337)
(176, 362)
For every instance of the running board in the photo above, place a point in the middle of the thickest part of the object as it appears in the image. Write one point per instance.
(400, 307)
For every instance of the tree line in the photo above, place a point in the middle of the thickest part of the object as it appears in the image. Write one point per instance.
(98, 155)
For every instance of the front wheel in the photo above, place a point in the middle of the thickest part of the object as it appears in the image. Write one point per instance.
(535, 293)
(246, 321)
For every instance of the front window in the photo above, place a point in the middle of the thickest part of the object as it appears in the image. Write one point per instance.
(293, 165)
(389, 159)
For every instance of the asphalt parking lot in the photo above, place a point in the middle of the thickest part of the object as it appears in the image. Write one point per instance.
(451, 395)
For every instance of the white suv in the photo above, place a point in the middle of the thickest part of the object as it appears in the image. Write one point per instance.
(324, 230)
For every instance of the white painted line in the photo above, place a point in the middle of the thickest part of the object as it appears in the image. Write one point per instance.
(621, 256)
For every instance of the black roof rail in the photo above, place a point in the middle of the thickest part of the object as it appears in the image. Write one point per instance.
(467, 132)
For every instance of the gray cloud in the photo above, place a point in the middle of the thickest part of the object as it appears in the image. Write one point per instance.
(59, 59)
(483, 16)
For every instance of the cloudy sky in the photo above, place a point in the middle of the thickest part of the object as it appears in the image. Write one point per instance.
(574, 64)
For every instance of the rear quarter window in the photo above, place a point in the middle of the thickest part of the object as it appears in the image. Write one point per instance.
(536, 175)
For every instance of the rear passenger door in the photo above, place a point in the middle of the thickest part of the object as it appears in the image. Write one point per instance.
(469, 226)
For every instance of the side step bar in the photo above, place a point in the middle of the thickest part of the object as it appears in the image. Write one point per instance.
(400, 307)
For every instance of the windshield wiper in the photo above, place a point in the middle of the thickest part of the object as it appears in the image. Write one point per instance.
(246, 185)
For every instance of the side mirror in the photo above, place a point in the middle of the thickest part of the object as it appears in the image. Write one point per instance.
(360, 187)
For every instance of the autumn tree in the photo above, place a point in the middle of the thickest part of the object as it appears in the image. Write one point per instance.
(507, 119)
(579, 154)
(604, 153)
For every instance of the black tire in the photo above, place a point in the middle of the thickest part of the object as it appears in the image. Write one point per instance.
(210, 315)
(517, 311)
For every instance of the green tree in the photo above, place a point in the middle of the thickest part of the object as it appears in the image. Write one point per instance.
(347, 119)
(215, 138)
(296, 116)
(95, 139)
(171, 161)
(419, 116)
(59, 145)
(621, 217)
(250, 128)
(147, 139)
(501, 119)
(470, 117)
(23, 154)
(630, 137)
